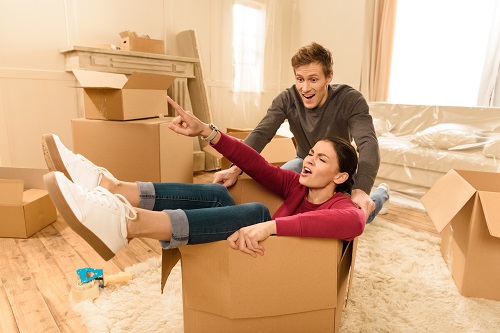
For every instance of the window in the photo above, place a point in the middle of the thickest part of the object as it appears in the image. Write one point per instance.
(248, 46)
(439, 51)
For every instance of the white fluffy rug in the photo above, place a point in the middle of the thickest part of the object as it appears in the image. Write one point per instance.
(401, 284)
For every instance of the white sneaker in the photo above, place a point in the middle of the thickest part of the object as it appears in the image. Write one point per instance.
(385, 207)
(97, 215)
(74, 166)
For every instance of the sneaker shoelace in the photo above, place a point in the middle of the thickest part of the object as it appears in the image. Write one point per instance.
(110, 199)
(102, 171)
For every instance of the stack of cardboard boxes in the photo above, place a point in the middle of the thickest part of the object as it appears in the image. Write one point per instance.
(125, 131)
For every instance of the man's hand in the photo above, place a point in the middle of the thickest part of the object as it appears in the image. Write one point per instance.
(363, 201)
(227, 177)
(247, 239)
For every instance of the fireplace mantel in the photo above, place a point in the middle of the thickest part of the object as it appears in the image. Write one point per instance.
(126, 62)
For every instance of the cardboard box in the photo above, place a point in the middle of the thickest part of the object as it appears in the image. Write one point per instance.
(136, 150)
(114, 96)
(277, 152)
(142, 44)
(24, 210)
(464, 208)
(248, 190)
(299, 285)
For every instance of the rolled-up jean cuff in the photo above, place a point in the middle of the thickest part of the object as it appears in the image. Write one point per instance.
(180, 229)
(147, 195)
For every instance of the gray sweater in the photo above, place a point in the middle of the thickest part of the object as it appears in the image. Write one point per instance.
(345, 114)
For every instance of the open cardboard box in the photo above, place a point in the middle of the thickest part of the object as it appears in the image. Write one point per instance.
(135, 150)
(131, 41)
(114, 96)
(25, 205)
(142, 44)
(278, 151)
(464, 207)
(299, 285)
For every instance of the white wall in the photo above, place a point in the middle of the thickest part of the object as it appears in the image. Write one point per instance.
(37, 96)
(338, 25)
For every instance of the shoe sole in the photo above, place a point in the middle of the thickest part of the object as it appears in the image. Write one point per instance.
(67, 214)
(52, 157)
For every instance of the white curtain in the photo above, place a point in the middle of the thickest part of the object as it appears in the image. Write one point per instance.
(489, 89)
(380, 19)
(245, 109)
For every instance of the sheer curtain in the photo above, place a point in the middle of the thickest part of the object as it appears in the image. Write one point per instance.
(489, 89)
(379, 35)
(236, 108)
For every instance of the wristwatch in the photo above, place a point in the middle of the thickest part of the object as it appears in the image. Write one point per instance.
(212, 135)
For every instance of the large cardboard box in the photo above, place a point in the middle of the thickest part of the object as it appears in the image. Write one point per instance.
(136, 150)
(299, 285)
(278, 151)
(25, 205)
(114, 96)
(464, 206)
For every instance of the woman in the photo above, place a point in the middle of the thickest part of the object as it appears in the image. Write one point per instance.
(107, 212)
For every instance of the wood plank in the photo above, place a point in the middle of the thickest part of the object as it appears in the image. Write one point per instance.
(188, 47)
(28, 305)
(52, 283)
(8, 322)
(135, 252)
(85, 251)
(153, 244)
(410, 218)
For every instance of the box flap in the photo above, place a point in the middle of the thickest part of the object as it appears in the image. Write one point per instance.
(140, 80)
(169, 259)
(446, 198)
(33, 177)
(92, 79)
(489, 201)
(11, 191)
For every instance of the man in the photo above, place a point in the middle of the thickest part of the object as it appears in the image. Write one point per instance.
(315, 110)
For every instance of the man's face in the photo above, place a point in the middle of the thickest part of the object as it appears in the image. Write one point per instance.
(312, 84)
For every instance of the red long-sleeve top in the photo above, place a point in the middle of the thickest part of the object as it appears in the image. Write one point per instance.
(338, 217)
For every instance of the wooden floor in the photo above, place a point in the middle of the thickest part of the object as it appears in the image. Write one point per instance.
(36, 274)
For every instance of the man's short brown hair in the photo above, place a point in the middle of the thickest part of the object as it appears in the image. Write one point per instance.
(313, 52)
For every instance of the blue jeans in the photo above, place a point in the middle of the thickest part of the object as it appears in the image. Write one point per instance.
(378, 196)
(199, 213)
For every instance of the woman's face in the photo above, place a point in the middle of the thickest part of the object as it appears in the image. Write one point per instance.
(321, 167)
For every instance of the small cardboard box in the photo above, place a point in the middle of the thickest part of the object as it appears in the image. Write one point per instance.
(299, 285)
(142, 44)
(464, 207)
(136, 150)
(277, 152)
(114, 96)
(24, 212)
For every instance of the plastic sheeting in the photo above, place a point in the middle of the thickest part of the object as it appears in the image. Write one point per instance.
(419, 144)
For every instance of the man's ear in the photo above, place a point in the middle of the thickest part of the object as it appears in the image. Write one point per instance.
(329, 78)
(340, 177)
